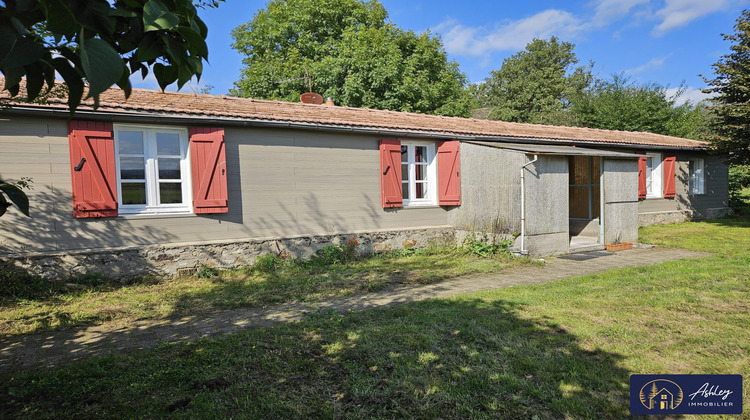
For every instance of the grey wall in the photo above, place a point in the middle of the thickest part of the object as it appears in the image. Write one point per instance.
(281, 183)
(547, 205)
(620, 200)
(716, 189)
(490, 190)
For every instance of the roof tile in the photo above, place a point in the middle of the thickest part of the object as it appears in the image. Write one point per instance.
(190, 104)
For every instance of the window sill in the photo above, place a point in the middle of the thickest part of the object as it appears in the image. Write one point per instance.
(420, 206)
(142, 216)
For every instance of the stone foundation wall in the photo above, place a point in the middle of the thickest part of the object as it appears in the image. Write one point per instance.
(667, 217)
(662, 218)
(168, 260)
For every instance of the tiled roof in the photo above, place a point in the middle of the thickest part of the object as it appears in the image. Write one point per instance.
(151, 102)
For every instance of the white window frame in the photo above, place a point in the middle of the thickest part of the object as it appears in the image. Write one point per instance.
(152, 205)
(657, 176)
(430, 198)
(697, 177)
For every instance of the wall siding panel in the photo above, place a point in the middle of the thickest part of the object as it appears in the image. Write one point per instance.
(280, 182)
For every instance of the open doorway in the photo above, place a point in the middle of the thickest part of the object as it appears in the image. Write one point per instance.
(584, 194)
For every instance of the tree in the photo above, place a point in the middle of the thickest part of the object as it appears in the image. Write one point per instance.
(619, 104)
(731, 105)
(349, 51)
(95, 44)
(536, 85)
(99, 43)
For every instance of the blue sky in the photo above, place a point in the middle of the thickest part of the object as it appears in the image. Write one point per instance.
(664, 41)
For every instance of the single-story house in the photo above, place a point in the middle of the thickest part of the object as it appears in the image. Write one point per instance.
(165, 180)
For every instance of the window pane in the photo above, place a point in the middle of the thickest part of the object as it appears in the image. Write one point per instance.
(133, 193)
(421, 172)
(405, 190)
(169, 168)
(421, 189)
(167, 144)
(404, 172)
(130, 142)
(649, 171)
(420, 154)
(132, 168)
(404, 154)
(170, 193)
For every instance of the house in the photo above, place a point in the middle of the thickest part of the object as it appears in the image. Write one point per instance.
(165, 180)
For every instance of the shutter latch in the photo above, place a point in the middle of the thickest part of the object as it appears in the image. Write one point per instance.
(80, 165)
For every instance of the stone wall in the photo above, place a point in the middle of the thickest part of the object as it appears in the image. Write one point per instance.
(169, 260)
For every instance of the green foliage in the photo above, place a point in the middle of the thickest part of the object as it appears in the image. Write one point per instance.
(350, 52)
(535, 85)
(739, 183)
(206, 272)
(336, 254)
(482, 246)
(731, 105)
(13, 191)
(267, 263)
(18, 285)
(619, 104)
(99, 42)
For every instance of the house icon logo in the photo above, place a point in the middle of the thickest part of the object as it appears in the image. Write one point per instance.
(661, 395)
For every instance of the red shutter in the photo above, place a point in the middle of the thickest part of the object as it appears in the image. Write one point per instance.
(449, 165)
(93, 169)
(390, 173)
(209, 162)
(642, 176)
(669, 175)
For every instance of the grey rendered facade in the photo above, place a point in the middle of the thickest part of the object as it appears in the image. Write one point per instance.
(296, 188)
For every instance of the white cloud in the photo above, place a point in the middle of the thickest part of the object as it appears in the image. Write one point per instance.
(509, 35)
(654, 63)
(694, 95)
(678, 13)
(608, 11)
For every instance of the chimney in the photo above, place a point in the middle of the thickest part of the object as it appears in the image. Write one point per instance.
(329, 101)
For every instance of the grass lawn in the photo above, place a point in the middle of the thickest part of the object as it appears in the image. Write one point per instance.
(558, 350)
(51, 305)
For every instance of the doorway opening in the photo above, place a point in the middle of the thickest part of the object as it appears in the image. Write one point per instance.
(584, 194)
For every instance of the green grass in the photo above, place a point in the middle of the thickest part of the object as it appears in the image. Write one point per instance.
(52, 306)
(558, 350)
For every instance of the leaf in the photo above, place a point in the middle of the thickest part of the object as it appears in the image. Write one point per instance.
(17, 196)
(72, 79)
(101, 64)
(148, 49)
(8, 38)
(34, 80)
(24, 52)
(156, 16)
(165, 75)
(60, 19)
(124, 83)
(194, 40)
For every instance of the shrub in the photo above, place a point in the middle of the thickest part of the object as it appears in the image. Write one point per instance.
(482, 247)
(739, 180)
(267, 263)
(206, 272)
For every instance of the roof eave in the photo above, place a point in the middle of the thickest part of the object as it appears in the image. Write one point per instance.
(60, 112)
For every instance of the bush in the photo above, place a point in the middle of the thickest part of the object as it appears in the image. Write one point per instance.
(206, 272)
(267, 263)
(739, 180)
(483, 247)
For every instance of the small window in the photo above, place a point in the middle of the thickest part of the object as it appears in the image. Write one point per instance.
(418, 176)
(653, 175)
(696, 177)
(153, 174)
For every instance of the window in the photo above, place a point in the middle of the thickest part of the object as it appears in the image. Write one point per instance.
(696, 177)
(418, 176)
(152, 170)
(653, 175)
